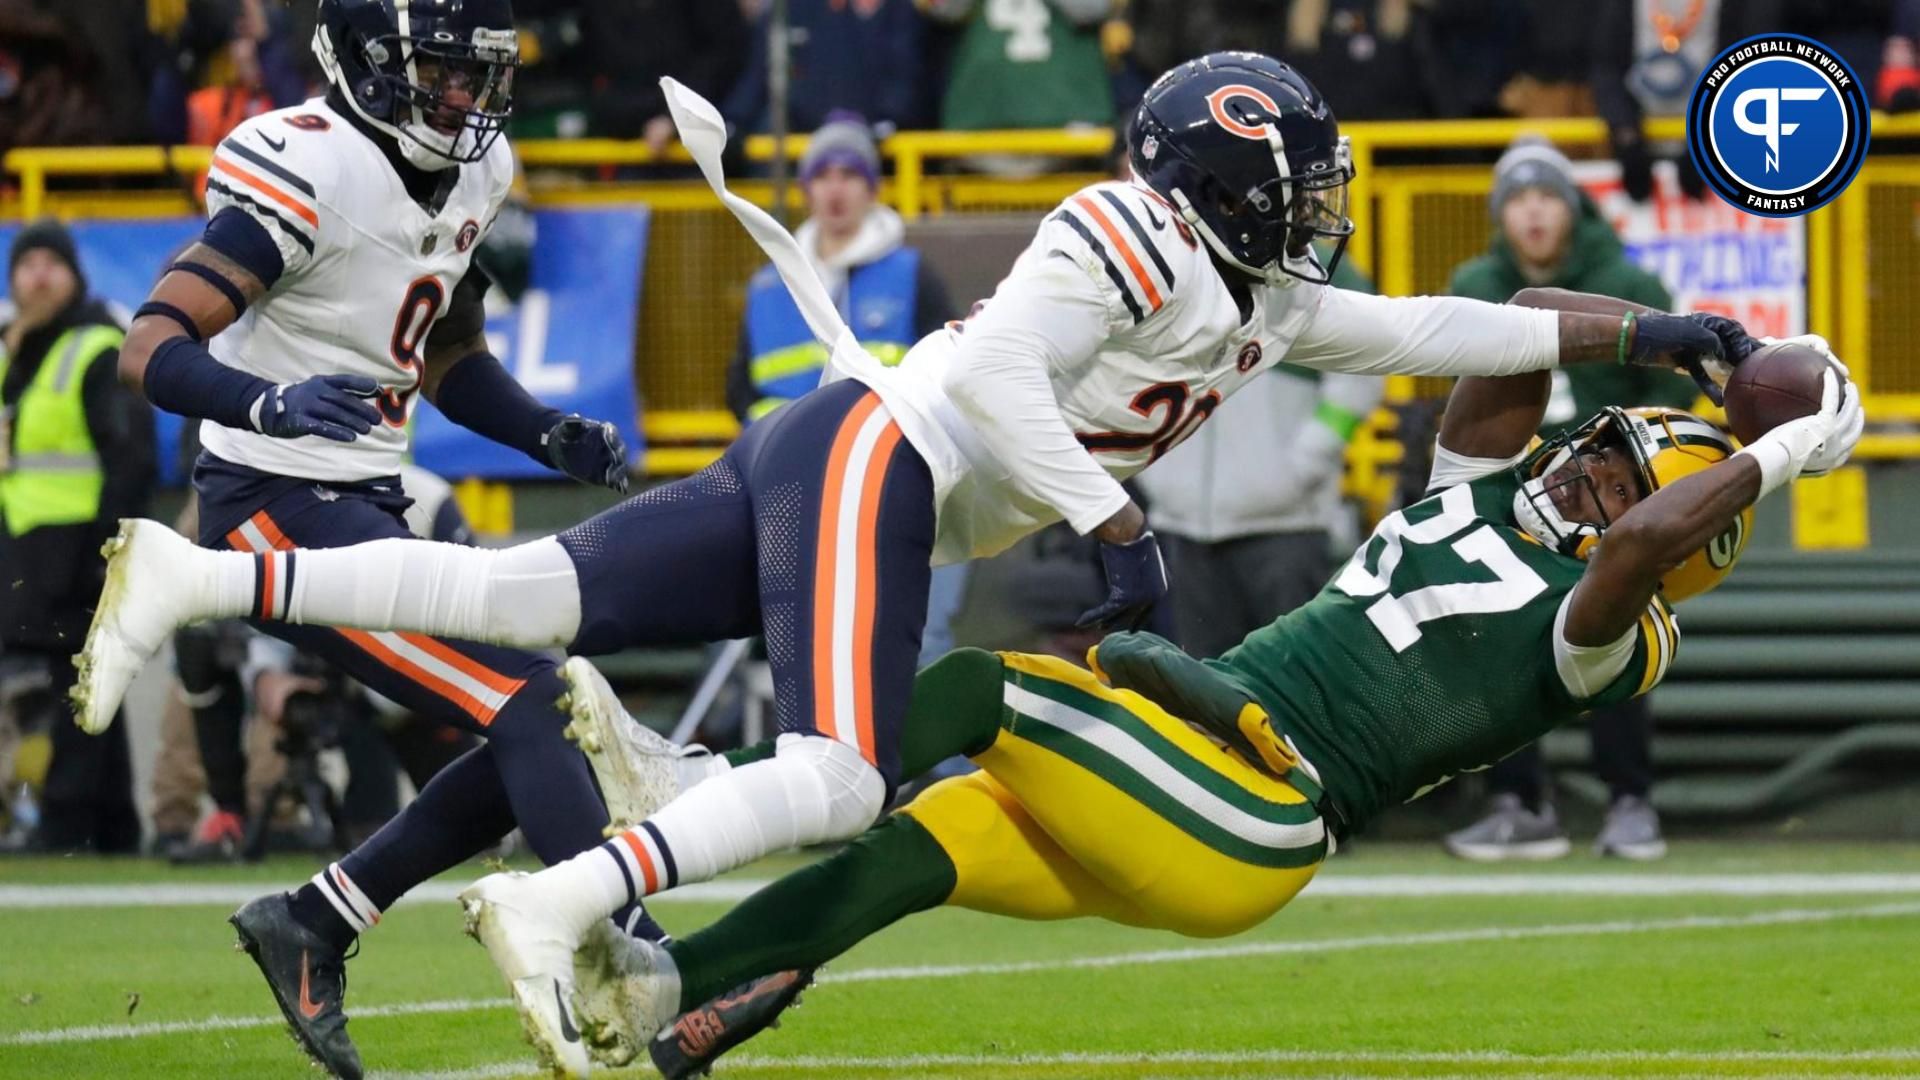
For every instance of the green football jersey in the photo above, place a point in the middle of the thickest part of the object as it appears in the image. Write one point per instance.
(1433, 652)
(1023, 64)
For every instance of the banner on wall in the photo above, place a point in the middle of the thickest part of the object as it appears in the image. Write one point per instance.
(1711, 256)
(569, 340)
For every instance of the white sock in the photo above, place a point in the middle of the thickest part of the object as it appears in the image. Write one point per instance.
(527, 596)
(588, 887)
(812, 790)
(346, 898)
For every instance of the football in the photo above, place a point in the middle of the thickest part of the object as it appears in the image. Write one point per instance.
(1776, 384)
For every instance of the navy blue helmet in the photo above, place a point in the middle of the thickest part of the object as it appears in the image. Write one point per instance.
(1251, 156)
(437, 75)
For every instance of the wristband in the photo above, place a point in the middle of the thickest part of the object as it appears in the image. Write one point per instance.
(1626, 333)
(1775, 461)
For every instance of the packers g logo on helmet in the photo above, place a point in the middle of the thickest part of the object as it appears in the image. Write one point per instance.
(1722, 550)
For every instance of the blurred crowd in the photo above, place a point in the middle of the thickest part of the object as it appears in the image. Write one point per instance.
(184, 71)
(244, 725)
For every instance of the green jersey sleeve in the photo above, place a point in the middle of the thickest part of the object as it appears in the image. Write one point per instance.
(1599, 675)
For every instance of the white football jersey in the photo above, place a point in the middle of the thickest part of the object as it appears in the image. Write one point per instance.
(1175, 346)
(367, 272)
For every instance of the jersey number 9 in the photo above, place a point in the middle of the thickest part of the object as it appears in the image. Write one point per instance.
(410, 326)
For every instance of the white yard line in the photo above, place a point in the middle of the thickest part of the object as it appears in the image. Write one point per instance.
(748, 1063)
(98, 1033)
(233, 894)
(1371, 886)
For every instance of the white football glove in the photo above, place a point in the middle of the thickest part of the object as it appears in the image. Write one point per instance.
(1812, 341)
(1826, 437)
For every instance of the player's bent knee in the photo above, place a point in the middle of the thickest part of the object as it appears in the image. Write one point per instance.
(533, 595)
(852, 793)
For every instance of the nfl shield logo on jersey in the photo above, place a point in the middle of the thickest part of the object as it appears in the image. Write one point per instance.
(1778, 125)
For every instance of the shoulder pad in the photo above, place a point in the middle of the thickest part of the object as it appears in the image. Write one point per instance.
(1143, 247)
(295, 149)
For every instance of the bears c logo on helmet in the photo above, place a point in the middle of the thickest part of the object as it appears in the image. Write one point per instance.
(1221, 104)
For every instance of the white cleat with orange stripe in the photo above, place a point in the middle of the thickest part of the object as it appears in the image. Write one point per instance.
(151, 591)
(533, 947)
(638, 769)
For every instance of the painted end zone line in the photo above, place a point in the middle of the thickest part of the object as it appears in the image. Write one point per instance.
(1373, 886)
(1158, 956)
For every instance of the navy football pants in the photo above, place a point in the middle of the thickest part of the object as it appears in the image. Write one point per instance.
(527, 773)
(814, 529)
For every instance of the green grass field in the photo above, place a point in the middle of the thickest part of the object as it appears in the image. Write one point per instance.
(1765, 960)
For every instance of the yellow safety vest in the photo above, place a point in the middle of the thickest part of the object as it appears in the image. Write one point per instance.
(53, 474)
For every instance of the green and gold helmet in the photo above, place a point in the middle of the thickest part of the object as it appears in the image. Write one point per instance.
(1666, 445)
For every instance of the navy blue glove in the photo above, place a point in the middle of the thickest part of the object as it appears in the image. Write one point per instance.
(1136, 580)
(1679, 341)
(590, 451)
(1733, 337)
(333, 407)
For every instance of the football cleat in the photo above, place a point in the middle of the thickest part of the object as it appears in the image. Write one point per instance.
(533, 948)
(146, 598)
(690, 1045)
(308, 978)
(637, 769)
(626, 989)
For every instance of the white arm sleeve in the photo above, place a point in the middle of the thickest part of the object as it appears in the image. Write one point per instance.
(1588, 669)
(1425, 335)
(1047, 316)
(1450, 468)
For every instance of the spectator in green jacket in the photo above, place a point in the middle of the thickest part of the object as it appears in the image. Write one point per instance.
(1549, 233)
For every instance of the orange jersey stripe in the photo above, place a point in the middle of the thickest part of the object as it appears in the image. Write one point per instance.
(1133, 261)
(825, 563)
(867, 593)
(300, 209)
(640, 856)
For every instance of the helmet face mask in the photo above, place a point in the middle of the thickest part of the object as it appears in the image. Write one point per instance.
(436, 75)
(1249, 153)
(1665, 446)
(1560, 464)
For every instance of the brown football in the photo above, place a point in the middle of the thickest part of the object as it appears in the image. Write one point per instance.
(1776, 384)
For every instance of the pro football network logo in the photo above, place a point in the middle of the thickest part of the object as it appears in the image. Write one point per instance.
(1778, 125)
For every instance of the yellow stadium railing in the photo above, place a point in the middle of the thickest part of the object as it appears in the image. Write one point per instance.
(1841, 275)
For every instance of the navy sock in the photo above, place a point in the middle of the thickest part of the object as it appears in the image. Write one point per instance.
(459, 814)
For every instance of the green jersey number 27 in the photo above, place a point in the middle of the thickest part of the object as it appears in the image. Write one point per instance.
(1398, 615)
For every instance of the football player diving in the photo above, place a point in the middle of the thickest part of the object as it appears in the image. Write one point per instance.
(1156, 790)
(1136, 309)
(333, 284)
